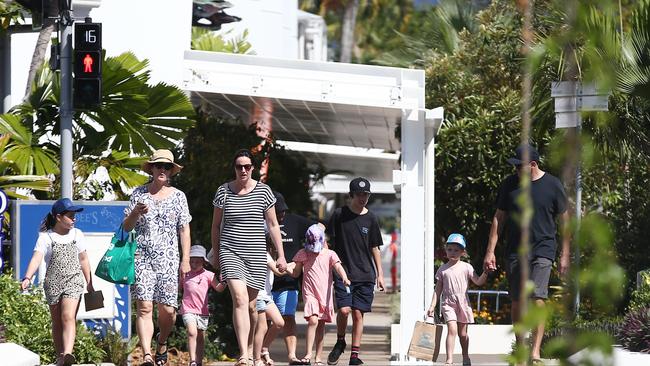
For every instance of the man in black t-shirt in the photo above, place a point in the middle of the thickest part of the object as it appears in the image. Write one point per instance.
(285, 288)
(355, 237)
(548, 202)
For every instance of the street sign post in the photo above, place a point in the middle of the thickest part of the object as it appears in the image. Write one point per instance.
(571, 99)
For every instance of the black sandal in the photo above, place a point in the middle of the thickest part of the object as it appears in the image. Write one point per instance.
(161, 358)
(145, 362)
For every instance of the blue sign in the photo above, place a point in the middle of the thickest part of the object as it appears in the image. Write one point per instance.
(97, 219)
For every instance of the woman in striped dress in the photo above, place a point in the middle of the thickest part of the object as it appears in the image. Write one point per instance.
(241, 207)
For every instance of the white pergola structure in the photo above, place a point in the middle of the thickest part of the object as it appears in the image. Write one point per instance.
(343, 116)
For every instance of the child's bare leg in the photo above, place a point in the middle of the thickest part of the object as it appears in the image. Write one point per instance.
(57, 328)
(200, 346)
(277, 323)
(464, 340)
(192, 332)
(312, 324)
(69, 308)
(452, 332)
(320, 335)
(260, 332)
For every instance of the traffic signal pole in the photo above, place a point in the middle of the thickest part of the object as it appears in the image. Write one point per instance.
(66, 22)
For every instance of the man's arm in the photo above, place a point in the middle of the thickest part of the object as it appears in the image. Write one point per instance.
(565, 257)
(489, 262)
(376, 255)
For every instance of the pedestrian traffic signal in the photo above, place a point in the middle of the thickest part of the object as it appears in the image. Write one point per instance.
(87, 65)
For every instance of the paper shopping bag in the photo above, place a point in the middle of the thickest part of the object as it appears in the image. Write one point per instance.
(425, 342)
(94, 300)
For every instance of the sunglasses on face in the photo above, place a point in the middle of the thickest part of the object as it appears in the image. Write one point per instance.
(166, 166)
(247, 167)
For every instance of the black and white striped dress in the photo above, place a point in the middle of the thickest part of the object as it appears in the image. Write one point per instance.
(242, 248)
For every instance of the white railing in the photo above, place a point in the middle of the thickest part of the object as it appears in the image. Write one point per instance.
(479, 293)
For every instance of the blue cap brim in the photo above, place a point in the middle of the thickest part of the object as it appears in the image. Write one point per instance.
(74, 209)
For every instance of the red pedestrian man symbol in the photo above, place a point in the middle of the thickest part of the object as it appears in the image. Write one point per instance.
(88, 63)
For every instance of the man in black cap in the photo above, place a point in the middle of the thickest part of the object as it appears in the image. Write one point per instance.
(355, 237)
(548, 201)
(285, 288)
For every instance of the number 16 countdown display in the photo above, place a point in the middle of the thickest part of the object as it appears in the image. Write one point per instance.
(87, 65)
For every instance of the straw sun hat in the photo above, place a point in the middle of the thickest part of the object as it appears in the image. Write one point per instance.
(161, 156)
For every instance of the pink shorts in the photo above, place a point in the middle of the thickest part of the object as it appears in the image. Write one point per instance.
(459, 312)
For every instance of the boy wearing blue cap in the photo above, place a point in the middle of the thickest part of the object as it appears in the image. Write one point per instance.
(452, 281)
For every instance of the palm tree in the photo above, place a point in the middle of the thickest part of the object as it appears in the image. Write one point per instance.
(10, 176)
(134, 118)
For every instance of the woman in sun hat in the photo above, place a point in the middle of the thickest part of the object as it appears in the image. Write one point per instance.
(160, 216)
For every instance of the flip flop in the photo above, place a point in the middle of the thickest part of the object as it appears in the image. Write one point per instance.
(266, 357)
(295, 361)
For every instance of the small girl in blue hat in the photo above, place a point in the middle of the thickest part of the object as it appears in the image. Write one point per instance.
(67, 273)
(452, 281)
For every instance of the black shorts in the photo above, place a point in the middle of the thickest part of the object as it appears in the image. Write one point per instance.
(540, 271)
(360, 297)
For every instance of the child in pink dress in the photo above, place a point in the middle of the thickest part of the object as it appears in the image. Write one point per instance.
(452, 281)
(194, 308)
(317, 262)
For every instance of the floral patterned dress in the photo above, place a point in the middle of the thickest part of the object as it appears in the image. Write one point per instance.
(157, 257)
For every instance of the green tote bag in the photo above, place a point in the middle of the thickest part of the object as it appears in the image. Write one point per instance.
(117, 264)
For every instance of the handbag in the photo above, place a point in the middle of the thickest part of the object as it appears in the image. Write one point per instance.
(93, 300)
(425, 342)
(117, 265)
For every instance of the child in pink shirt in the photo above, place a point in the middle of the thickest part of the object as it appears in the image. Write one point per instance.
(194, 307)
(452, 281)
(317, 262)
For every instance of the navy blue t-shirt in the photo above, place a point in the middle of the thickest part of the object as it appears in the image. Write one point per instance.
(549, 201)
(353, 237)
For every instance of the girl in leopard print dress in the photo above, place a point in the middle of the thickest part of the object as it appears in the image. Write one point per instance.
(67, 273)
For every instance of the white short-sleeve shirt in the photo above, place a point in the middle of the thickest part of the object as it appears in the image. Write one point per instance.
(45, 238)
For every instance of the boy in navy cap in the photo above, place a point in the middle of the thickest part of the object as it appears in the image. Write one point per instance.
(355, 237)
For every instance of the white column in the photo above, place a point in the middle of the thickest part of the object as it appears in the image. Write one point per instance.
(412, 304)
(433, 120)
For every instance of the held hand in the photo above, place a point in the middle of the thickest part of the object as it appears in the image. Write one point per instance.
(431, 312)
(184, 268)
(25, 284)
(380, 283)
(90, 287)
(565, 262)
(489, 262)
(281, 264)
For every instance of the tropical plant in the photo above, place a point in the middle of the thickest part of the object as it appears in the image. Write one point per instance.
(134, 118)
(429, 33)
(634, 333)
(206, 40)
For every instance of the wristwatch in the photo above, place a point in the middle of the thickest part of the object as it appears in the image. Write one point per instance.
(26, 278)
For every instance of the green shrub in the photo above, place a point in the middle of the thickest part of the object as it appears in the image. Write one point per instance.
(27, 321)
(116, 349)
(641, 296)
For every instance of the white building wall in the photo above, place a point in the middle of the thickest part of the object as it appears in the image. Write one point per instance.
(272, 26)
(160, 31)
